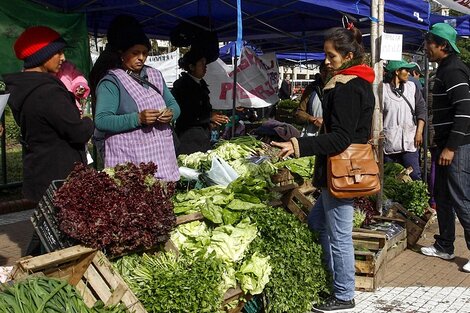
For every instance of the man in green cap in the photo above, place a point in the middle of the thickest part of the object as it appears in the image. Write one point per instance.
(451, 121)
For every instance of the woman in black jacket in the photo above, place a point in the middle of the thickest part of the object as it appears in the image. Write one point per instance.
(52, 132)
(193, 126)
(347, 116)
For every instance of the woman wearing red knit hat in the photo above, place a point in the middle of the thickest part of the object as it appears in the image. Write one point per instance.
(52, 133)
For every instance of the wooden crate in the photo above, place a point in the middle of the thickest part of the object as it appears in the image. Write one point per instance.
(88, 270)
(370, 265)
(297, 203)
(415, 226)
(283, 177)
(394, 245)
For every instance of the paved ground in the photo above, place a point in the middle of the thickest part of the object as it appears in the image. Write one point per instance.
(413, 282)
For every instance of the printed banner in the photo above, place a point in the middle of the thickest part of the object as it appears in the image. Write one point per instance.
(167, 64)
(257, 81)
(457, 5)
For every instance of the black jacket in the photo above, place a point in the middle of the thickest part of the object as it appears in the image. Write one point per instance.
(451, 103)
(347, 115)
(193, 124)
(53, 134)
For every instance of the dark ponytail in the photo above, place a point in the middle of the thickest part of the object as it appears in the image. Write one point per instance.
(347, 40)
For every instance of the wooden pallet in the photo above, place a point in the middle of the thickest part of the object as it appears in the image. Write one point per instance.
(370, 265)
(88, 270)
(415, 226)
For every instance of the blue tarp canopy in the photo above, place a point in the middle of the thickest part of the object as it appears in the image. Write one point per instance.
(301, 57)
(460, 23)
(273, 25)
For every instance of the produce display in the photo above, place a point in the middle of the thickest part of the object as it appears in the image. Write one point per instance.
(413, 195)
(240, 241)
(117, 210)
(298, 276)
(48, 295)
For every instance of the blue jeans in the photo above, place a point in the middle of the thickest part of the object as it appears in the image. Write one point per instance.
(332, 218)
(406, 159)
(452, 194)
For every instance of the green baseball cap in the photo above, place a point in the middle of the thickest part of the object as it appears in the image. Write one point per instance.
(392, 66)
(447, 32)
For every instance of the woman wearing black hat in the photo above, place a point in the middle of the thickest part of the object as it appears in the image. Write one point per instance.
(134, 109)
(193, 127)
(52, 133)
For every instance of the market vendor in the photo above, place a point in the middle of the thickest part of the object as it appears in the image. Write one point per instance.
(134, 109)
(193, 127)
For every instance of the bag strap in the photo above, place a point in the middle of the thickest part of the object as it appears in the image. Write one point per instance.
(400, 93)
(144, 81)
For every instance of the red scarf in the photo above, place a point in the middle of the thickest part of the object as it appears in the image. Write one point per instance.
(363, 71)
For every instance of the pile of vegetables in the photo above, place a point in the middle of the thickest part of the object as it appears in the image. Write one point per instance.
(178, 284)
(118, 210)
(48, 295)
(413, 195)
(235, 149)
(222, 205)
(364, 209)
(288, 105)
(298, 277)
(210, 261)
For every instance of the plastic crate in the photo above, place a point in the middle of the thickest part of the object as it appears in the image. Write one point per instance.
(45, 222)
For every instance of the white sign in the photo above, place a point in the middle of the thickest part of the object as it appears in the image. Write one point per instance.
(3, 102)
(167, 64)
(457, 5)
(391, 46)
(257, 81)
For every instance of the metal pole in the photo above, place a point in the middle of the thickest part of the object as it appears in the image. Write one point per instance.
(377, 14)
(234, 95)
(426, 120)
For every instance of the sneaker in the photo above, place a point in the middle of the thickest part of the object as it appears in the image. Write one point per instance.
(333, 304)
(432, 251)
(466, 267)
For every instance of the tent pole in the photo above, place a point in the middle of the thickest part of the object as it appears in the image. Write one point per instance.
(426, 128)
(234, 94)
(377, 24)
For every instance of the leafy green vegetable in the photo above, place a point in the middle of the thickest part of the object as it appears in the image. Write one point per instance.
(298, 276)
(167, 283)
(304, 166)
(254, 274)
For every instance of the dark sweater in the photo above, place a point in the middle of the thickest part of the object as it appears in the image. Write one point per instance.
(347, 115)
(53, 134)
(451, 104)
(193, 99)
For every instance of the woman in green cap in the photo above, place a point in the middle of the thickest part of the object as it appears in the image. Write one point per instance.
(404, 116)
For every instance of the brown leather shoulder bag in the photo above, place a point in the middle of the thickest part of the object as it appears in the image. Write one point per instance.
(353, 172)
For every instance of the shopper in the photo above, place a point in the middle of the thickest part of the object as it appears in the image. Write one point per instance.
(404, 115)
(451, 121)
(347, 116)
(310, 109)
(52, 133)
(415, 75)
(193, 127)
(285, 92)
(134, 109)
